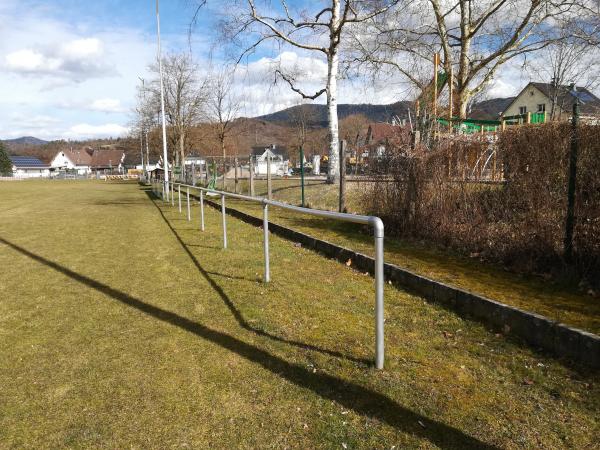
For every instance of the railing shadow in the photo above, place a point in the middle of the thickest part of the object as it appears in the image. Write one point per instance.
(236, 312)
(348, 394)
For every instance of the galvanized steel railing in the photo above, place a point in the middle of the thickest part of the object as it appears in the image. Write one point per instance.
(372, 221)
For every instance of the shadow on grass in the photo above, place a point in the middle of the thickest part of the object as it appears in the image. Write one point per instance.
(351, 395)
(231, 306)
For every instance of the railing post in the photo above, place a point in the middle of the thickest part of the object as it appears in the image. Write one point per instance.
(251, 168)
(179, 196)
(202, 210)
(189, 215)
(269, 188)
(266, 241)
(379, 284)
(224, 221)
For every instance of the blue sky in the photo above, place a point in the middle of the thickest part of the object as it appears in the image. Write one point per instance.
(69, 68)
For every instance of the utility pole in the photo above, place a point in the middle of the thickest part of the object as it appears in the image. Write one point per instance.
(162, 107)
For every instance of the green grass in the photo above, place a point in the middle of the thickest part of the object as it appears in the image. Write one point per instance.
(123, 326)
(557, 301)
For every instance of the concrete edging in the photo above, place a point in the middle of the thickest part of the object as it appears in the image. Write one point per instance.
(536, 330)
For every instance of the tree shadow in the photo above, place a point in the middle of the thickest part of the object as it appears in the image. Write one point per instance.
(346, 393)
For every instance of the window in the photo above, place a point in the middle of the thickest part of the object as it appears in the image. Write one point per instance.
(541, 107)
(522, 109)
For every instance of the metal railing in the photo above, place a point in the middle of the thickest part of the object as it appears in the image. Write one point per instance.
(372, 221)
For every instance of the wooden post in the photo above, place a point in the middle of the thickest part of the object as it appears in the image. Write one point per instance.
(342, 206)
(451, 98)
(235, 189)
(251, 168)
(224, 172)
(528, 117)
(269, 190)
(436, 61)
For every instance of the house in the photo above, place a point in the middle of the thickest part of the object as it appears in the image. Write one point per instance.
(278, 156)
(29, 167)
(108, 161)
(553, 102)
(72, 160)
(377, 138)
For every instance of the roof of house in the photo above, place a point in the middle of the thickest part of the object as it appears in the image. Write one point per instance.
(78, 157)
(107, 158)
(27, 162)
(378, 132)
(589, 104)
(258, 150)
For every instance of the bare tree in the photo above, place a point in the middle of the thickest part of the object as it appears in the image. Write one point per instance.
(475, 38)
(185, 99)
(320, 31)
(223, 107)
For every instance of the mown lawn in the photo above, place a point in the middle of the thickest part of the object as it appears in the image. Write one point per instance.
(558, 302)
(122, 325)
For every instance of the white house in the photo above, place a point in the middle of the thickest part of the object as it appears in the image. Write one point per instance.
(78, 160)
(29, 167)
(554, 102)
(279, 164)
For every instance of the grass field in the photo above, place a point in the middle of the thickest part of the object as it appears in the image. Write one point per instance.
(123, 326)
(558, 302)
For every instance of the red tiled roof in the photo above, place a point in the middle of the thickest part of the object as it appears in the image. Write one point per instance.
(78, 157)
(107, 158)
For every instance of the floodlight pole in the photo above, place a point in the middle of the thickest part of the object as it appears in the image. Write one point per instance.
(162, 106)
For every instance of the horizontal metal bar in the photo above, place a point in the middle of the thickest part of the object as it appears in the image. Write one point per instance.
(374, 221)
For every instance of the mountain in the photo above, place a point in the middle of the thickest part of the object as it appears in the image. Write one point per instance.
(316, 115)
(25, 140)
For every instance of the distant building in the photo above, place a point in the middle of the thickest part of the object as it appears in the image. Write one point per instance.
(108, 161)
(72, 160)
(542, 97)
(29, 167)
(279, 159)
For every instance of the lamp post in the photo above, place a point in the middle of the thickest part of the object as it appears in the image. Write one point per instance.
(162, 107)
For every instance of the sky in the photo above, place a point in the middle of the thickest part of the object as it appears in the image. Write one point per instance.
(69, 68)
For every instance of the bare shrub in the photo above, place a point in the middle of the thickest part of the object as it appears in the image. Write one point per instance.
(513, 214)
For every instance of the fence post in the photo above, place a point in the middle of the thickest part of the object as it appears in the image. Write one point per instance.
(572, 179)
(379, 284)
(235, 162)
(269, 190)
(224, 221)
(266, 241)
(251, 168)
(189, 216)
(179, 196)
(342, 205)
(202, 210)
(172, 193)
(302, 172)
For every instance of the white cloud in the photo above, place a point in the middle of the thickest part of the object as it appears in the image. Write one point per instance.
(109, 105)
(86, 131)
(76, 60)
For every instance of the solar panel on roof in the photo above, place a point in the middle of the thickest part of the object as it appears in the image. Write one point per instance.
(27, 161)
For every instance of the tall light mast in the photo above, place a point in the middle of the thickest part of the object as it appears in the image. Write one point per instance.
(162, 108)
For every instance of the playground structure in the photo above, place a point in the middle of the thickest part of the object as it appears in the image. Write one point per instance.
(376, 223)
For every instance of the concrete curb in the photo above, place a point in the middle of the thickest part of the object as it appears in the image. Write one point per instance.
(536, 330)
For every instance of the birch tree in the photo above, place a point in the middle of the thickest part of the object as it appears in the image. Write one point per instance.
(475, 39)
(321, 31)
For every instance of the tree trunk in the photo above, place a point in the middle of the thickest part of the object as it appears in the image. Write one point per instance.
(333, 171)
